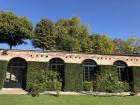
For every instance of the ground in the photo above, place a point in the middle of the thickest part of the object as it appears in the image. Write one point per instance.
(68, 100)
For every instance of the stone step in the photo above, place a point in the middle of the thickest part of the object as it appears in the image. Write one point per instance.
(17, 91)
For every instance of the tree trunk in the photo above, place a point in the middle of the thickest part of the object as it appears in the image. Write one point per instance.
(10, 47)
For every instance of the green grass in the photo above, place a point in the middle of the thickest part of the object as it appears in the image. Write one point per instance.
(67, 100)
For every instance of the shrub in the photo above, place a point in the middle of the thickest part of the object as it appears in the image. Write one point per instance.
(107, 81)
(57, 86)
(44, 80)
(122, 86)
(136, 89)
(37, 85)
(88, 86)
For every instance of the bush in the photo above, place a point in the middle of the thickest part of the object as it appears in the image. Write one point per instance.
(49, 86)
(108, 81)
(88, 86)
(37, 85)
(57, 86)
(136, 89)
(122, 86)
(44, 80)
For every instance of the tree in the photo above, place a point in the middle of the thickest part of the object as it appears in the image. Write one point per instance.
(134, 42)
(14, 30)
(101, 44)
(122, 47)
(71, 35)
(65, 42)
(65, 35)
(44, 35)
(86, 45)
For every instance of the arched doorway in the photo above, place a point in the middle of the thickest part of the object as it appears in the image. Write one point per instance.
(16, 73)
(124, 74)
(89, 70)
(57, 65)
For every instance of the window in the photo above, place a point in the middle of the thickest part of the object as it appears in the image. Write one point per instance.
(122, 71)
(89, 70)
(57, 65)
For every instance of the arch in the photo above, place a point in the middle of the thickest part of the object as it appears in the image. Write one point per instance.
(89, 70)
(124, 74)
(120, 63)
(57, 65)
(89, 62)
(16, 73)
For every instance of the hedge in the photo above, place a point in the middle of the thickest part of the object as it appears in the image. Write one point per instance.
(3, 68)
(136, 77)
(73, 77)
(73, 74)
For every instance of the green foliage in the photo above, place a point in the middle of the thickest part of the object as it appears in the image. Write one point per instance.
(40, 79)
(13, 29)
(101, 44)
(136, 89)
(73, 77)
(3, 68)
(65, 34)
(134, 42)
(122, 86)
(34, 70)
(88, 86)
(121, 47)
(136, 78)
(52, 81)
(44, 35)
(57, 87)
(43, 79)
(37, 85)
(107, 80)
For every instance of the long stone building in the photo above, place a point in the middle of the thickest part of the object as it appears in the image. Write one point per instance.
(74, 68)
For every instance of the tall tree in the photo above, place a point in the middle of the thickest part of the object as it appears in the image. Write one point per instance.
(122, 47)
(73, 31)
(14, 30)
(101, 44)
(65, 34)
(44, 35)
(134, 42)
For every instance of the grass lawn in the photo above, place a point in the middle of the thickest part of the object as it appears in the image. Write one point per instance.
(67, 100)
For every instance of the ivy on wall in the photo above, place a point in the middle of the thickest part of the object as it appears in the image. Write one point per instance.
(73, 77)
(3, 68)
(136, 78)
(73, 74)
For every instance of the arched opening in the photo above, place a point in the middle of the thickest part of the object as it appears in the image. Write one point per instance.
(124, 74)
(16, 73)
(57, 65)
(89, 70)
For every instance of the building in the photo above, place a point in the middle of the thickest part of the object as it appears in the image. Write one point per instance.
(74, 68)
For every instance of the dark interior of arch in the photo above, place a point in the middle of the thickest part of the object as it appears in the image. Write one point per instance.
(57, 65)
(89, 70)
(124, 73)
(16, 73)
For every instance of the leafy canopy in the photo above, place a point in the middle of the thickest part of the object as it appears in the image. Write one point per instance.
(14, 29)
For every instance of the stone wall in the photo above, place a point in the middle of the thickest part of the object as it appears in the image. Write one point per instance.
(69, 57)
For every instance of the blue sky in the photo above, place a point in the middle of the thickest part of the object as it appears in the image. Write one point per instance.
(115, 18)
